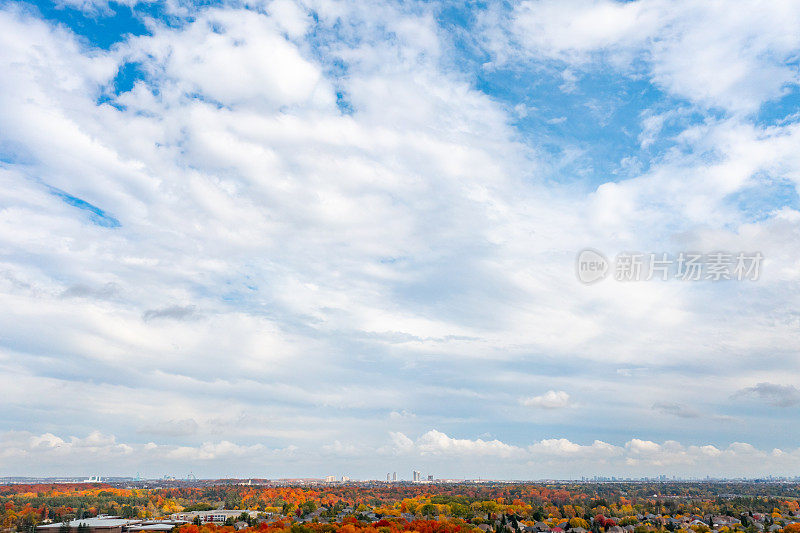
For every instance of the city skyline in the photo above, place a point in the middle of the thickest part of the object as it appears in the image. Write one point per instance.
(191, 480)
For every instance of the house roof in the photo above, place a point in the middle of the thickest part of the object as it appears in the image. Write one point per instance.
(93, 522)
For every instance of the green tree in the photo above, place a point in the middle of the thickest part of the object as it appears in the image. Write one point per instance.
(308, 507)
(427, 510)
(200, 506)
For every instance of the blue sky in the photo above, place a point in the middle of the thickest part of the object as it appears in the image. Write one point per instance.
(299, 238)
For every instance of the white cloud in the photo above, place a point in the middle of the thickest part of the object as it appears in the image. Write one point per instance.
(338, 261)
(29, 448)
(234, 57)
(562, 28)
(566, 448)
(401, 442)
(25, 452)
(212, 450)
(550, 456)
(291, 18)
(549, 400)
(437, 443)
(730, 54)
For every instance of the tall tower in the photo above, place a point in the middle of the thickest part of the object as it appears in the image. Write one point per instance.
(394, 476)
(416, 475)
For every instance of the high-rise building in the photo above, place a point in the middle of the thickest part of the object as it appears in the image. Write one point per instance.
(345, 478)
(388, 477)
(330, 479)
(430, 477)
(394, 476)
(416, 475)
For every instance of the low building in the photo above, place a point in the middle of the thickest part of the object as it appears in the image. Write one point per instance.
(214, 515)
(110, 524)
(155, 526)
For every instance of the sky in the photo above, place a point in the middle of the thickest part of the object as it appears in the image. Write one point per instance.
(300, 238)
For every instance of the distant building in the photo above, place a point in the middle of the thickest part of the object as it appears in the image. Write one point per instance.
(394, 476)
(345, 478)
(100, 524)
(112, 524)
(430, 477)
(156, 527)
(416, 475)
(215, 515)
(388, 477)
(330, 479)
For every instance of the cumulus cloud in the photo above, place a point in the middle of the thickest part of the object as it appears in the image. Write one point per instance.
(401, 442)
(549, 400)
(23, 451)
(638, 455)
(565, 448)
(402, 415)
(264, 69)
(544, 458)
(437, 443)
(27, 447)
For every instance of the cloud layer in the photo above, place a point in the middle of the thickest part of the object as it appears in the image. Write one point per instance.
(431, 450)
(288, 235)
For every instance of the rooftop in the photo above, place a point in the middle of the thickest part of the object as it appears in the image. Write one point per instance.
(99, 521)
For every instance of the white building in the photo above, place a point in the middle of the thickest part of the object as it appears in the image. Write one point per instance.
(214, 515)
(112, 524)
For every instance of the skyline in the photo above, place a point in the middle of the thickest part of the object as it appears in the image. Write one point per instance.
(345, 480)
(289, 237)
